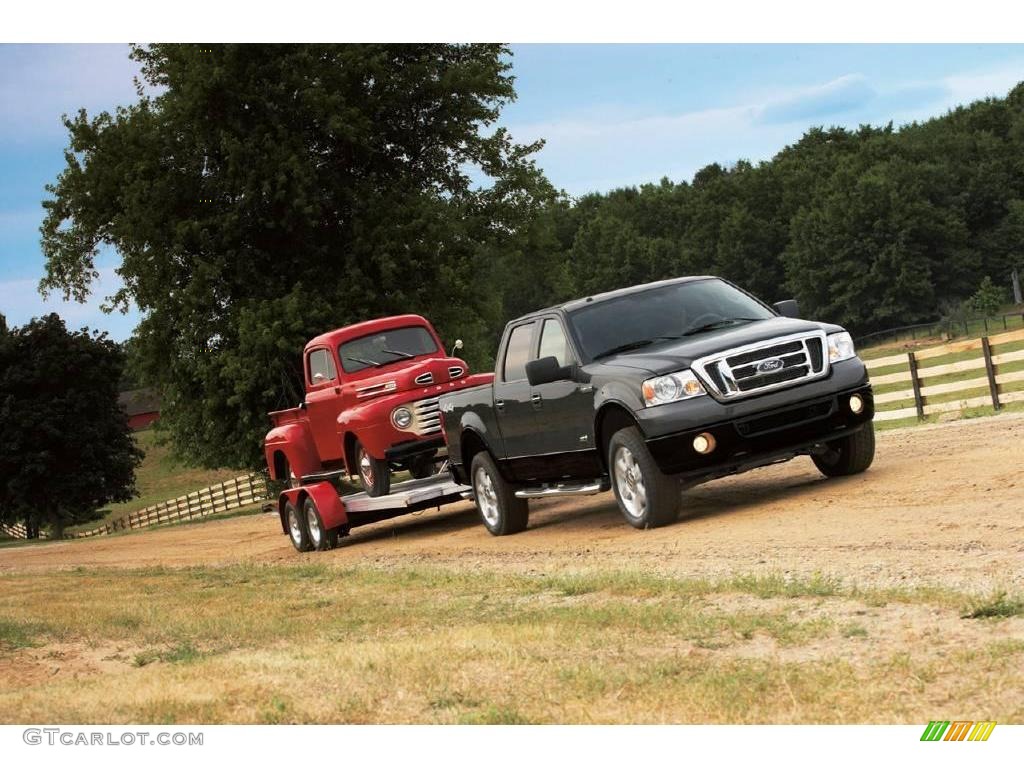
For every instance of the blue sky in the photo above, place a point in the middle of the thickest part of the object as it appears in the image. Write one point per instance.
(612, 115)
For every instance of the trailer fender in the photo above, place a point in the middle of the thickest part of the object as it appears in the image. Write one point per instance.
(328, 503)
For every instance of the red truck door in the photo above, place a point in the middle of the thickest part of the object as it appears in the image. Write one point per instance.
(323, 402)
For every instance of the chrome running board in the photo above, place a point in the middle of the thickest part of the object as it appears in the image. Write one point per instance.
(564, 489)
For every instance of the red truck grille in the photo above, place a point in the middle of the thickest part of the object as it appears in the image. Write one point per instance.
(426, 416)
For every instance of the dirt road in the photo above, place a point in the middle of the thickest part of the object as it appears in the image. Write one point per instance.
(942, 505)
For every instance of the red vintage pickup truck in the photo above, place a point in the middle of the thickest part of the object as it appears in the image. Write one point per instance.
(370, 406)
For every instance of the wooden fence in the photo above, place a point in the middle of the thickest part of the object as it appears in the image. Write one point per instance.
(949, 378)
(222, 497)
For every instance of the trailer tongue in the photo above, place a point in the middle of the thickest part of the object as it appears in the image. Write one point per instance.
(315, 515)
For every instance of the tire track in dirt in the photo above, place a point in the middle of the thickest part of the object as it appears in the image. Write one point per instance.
(943, 505)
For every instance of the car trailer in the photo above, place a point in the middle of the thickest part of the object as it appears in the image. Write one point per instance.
(315, 514)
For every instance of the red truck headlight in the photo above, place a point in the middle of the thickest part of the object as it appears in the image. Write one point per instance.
(401, 417)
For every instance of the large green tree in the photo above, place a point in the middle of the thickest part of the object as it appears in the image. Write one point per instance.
(260, 194)
(65, 446)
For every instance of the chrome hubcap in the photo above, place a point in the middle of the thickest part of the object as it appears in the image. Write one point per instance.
(629, 482)
(486, 496)
(313, 525)
(294, 529)
(365, 467)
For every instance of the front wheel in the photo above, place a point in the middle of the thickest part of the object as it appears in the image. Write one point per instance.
(647, 497)
(848, 455)
(500, 510)
(423, 466)
(320, 539)
(374, 474)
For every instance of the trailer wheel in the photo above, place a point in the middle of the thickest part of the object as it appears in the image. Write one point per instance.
(297, 531)
(320, 539)
(374, 474)
(501, 512)
(848, 455)
(648, 498)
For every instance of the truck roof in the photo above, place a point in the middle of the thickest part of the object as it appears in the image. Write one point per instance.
(569, 306)
(365, 328)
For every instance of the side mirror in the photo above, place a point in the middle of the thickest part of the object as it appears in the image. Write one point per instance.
(546, 370)
(787, 308)
(457, 347)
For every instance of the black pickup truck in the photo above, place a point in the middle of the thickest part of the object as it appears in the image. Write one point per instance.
(651, 389)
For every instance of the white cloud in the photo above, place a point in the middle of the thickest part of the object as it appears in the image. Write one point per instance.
(599, 151)
(39, 83)
(20, 301)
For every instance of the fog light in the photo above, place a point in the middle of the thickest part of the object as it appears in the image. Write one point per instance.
(856, 403)
(704, 442)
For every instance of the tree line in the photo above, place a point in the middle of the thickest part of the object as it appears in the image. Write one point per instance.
(258, 195)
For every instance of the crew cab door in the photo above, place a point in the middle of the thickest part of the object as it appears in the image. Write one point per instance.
(323, 402)
(564, 413)
(512, 407)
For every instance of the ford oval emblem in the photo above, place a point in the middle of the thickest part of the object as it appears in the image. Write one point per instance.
(770, 365)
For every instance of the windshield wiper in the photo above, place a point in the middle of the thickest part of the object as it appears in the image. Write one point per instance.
(406, 355)
(720, 324)
(633, 345)
(364, 361)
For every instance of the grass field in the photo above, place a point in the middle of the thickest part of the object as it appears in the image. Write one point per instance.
(313, 643)
(160, 477)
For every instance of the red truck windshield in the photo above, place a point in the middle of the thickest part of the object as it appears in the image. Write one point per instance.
(385, 347)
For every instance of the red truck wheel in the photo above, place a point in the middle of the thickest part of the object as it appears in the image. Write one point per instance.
(374, 474)
(423, 466)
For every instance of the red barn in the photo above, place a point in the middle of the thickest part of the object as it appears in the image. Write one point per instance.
(142, 407)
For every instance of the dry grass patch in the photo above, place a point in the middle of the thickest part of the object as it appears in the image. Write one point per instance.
(363, 644)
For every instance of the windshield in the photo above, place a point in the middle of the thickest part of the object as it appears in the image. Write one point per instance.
(667, 312)
(385, 347)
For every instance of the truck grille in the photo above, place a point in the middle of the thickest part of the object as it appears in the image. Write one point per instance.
(764, 366)
(426, 416)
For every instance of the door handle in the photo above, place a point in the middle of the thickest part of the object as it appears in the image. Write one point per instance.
(537, 400)
(499, 404)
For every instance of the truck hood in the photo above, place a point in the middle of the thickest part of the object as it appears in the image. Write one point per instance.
(676, 354)
(408, 376)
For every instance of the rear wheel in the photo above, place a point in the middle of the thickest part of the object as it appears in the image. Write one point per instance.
(647, 497)
(297, 531)
(848, 455)
(501, 512)
(319, 538)
(374, 474)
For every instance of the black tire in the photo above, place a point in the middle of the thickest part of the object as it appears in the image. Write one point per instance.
(848, 455)
(423, 466)
(647, 497)
(500, 511)
(320, 539)
(374, 474)
(295, 524)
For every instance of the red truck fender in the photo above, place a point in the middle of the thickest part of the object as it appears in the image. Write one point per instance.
(293, 444)
(328, 503)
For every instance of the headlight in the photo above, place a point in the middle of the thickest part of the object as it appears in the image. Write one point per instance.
(840, 347)
(401, 417)
(668, 389)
